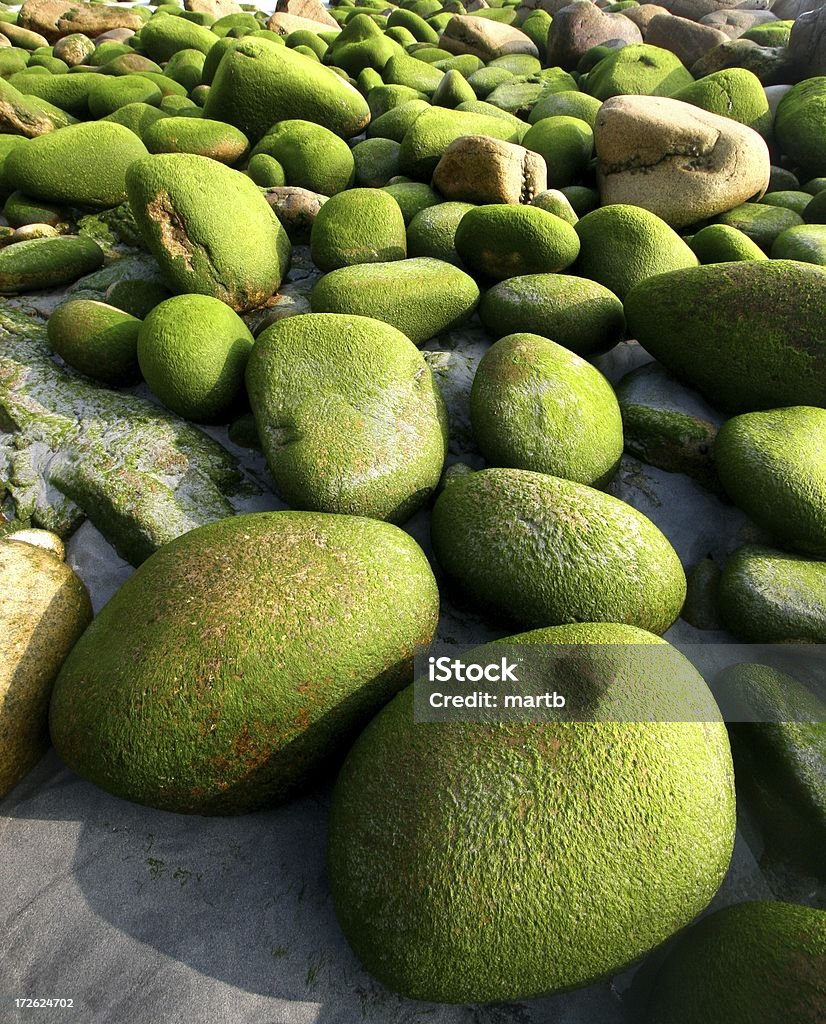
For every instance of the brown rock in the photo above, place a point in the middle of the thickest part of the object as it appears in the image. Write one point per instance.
(21, 116)
(807, 44)
(676, 160)
(688, 40)
(581, 25)
(734, 23)
(697, 9)
(479, 169)
(771, 64)
(56, 18)
(312, 9)
(74, 49)
(790, 10)
(484, 39)
(296, 208)
(284, 24)
(217, 8)
(643, 15)
(114, 35)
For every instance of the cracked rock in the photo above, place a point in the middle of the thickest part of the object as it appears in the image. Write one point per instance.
(478, 169)
(676, 160)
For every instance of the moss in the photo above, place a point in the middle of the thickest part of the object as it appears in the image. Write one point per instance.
(361, 225)
(58, 167)
(219, 698)
(20, 210)
(806, 243)
(720, 243)
(69, 92)
(163, 36)
(434, 130)
(503, 240)
(46, 263)
(377, 161)
(452, 90)
(394, 123)
(638, 70)
(212, 139)
(137, 117)
(536, 405)
(180, 201)
(421, 297)
(111, 93)
(568, 103)
(360, 45)
(432, 231)
(415, 74)
(28, 116)
(412, 197)
(733, 92)
(97, 339)
(798, 125)
(565, 143)
(312, 156)
(760, 222)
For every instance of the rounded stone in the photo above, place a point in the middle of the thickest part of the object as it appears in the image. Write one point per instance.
(97, 339)
(507, 240)
(361, 225)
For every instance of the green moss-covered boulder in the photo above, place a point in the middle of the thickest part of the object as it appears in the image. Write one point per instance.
(97, 339)
(780, 757)
(762, 223)
(773, 465)
(84, 164)
(361, 44)
(200, 135)
(349, 415)
(361, 225)
(29, 116)
(20, 211)
(536, 405)
(186, 67)
(790, 199)
(748, 335)
(164, 35)
(619, 831)
(137, 117)
(433, 131)
(565, 143)
(193, 351)
(68, 92)
(394, 123)
(621, 245)
(259, 83)
(638, 70)
(798, 125)
(815, 212)
(312, 156)
(47, 262)
(759, 961)
(237, 662)
(137, 295)
(209, 228)
(452, 90)
(412, 197)
(421, 297)
(505, 240)
(8, 143)
(569, 103)
(580, 314)
(108, 94)
(401, 69)
(432, 232)
(544, 551)
(805, 242)
(734, 92)
(377, 162)
(721, 243)
(266, 171)
(768, 596)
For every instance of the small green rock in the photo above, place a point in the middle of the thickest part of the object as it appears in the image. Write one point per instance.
(99, 340)
(361, 225)
(638, 70)
(213, 139)
(47, 263)
(806, 243)
(432, 232)
(760, 222)
(312, 156)
(565, 143)
(720, 243)
(508, 240)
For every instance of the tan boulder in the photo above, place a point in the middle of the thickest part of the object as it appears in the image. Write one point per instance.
(56, 18)
(44, 608)
(312, 9)
(688, 40)
(296, 208)
(581, 25)
(734, 23)
(479, 169)
(484, 38)
(643, 15)
(217, 8)
(284, 24)
(676, 160)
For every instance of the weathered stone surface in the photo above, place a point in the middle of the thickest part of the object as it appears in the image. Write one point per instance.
(580, 26)
(807, 43)
(478, 169)
(296, 208)
(696, 9)
(687, 39)
(643, 15)
(789, 10)
(772, 64)
(69, 448)
(735, 22)
(20, 115)
(484, 38)
(217, 8)
(283, 24)
(312, 9)
(678, 161)
(56, 18)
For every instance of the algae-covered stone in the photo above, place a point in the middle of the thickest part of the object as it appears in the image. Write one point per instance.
(68, 92)
(28, 115)
(790, 199)
(638, 69)
(19, 211)
(47, 262)
(734, 93)
(266, 171)
(721, 243)
(507, 240)
(209, 228)
(259, 83)
(421, 297)
(412, 197)
(555, 201)
(164, 35)
(757, 961)
(361, 44)
(748, 335)
(108, 94)
(200, 135)
(773, 465)
(622, 245)
(536, 405)
(545, 551)
(569, 103)
(150, 707)
(780, 756)
(667, 424)
(83, 163)
(565, 143)
(760, 222)
(580, 314)
(137, 296)
(769, 596)
(432, 232)
(805, 242)
(628, 856)
(395, 122)
(361, 225)
(7, 144)
(43, 611)
(192, 351)
(377, 161)
(312, 156)
(798, 125)
(97, 339)
(349, 415)
(137, 117)
(432, 132)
